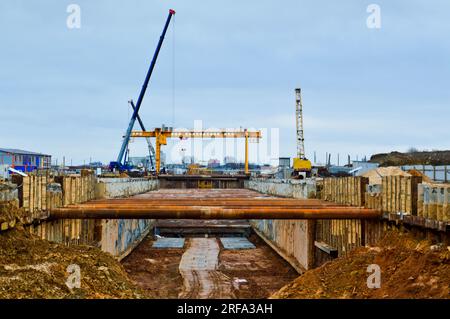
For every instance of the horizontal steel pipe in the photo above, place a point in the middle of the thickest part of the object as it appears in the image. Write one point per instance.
(188, 204)
(194, 202)
(199, 212)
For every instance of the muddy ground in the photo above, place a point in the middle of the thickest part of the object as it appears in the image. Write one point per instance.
(35, 268)
(251, 273)
(264, 270)
(155, 270)
(409, 269)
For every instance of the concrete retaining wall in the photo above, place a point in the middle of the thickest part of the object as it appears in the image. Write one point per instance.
(119, 237)
(292, 239)
(123, 187)
(283, 187)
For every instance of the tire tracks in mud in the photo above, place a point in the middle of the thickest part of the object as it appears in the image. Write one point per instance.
(198, 267)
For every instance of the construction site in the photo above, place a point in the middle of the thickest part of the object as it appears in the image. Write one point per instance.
(151, 229)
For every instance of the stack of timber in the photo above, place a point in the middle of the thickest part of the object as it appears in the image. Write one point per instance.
(345, 190)
(433, 205)
(77, 189)
(400, 194)
(34, 197)
(67, 231)
(373, 197)
(39, 192)
(340, 236)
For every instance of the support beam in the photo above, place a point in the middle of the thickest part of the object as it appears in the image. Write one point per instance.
(203, 212)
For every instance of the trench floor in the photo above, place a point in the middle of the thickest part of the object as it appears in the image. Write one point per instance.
(204, 269)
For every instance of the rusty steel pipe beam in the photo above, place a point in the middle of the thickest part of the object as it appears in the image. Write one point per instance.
(218, 202)
(193, 203)
(181, 206)
(200, 212)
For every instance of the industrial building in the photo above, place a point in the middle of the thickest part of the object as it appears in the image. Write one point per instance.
(24, 161)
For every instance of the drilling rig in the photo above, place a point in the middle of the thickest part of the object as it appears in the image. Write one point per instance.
(302, 166)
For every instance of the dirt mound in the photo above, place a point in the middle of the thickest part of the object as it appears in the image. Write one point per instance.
(35, 268)
(375, 175)
(412, 158)
(425, 178)
(409, 269)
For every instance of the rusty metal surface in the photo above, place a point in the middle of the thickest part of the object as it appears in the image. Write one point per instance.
(211, 204)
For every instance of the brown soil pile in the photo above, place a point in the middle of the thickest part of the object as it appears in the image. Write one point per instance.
(409, 269)
(9, 212)
(35, 268)
(413, 158)
(376, 175)
(425, 178)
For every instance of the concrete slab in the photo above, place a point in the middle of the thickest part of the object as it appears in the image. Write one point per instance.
(165, 243)
(236, 243)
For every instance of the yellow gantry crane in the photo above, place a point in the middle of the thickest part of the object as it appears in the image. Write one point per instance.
(161, 136)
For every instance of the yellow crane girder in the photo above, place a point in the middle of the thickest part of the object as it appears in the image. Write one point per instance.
(161, 137)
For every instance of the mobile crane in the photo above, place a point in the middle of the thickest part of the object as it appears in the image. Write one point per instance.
(121, 163)
(302, 166)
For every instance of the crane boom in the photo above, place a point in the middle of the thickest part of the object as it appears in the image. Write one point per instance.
(299, 120)
(126, 139)
(301, 164)
(151, 149)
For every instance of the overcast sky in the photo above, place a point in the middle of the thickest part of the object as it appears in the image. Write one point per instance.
(65, 91)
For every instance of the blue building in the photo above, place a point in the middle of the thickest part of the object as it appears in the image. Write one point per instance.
(24, 161)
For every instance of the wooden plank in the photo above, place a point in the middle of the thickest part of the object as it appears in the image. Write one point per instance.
(419, 201)
(399, 193)
(26, 193)
(426, 200)
(408, 197)
(32, 194)
(440, 204)
(446, 205)
(415, 181)
(388, 194)
(432, 213)
(332, 251)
